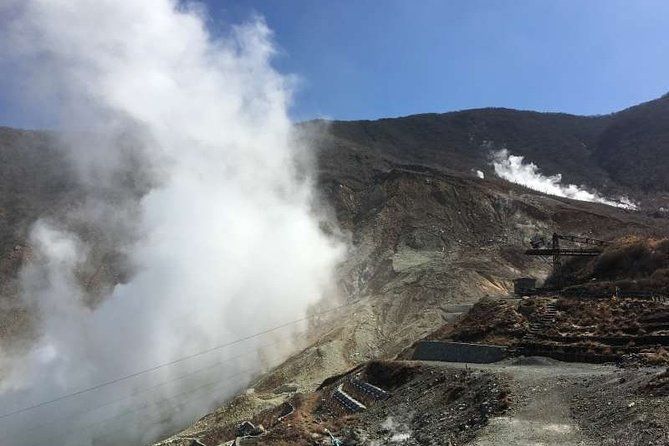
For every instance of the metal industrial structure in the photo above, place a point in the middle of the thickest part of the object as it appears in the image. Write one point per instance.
(540, 247)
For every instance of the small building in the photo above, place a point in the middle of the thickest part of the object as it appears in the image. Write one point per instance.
(524, 286)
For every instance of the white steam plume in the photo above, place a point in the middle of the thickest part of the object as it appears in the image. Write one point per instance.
(193, 177)
(512, 168)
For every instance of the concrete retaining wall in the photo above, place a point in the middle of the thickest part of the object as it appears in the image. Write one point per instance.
(458, 352)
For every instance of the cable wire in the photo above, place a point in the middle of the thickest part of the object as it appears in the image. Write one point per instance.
(146, 405)
(169, 363)
(193, 391)
(218, 363)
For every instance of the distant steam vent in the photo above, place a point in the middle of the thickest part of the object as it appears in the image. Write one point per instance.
(513, 168)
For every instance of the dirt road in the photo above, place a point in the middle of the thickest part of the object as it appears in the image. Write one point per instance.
(540, 413)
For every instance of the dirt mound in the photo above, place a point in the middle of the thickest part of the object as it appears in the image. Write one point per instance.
(624, 410)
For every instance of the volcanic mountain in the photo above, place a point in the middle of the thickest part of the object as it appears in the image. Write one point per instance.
(427, 237)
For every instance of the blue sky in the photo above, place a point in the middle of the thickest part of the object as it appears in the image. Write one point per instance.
(365, 59)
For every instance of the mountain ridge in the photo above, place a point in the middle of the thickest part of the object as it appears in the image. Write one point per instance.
(545, 112)
(578, 147)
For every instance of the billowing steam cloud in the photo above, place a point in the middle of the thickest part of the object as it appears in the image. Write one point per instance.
(512, 168)
(196, 187)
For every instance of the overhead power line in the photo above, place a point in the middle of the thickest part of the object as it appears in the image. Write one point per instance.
(169, 363)
(184, 394)
(53, 421)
